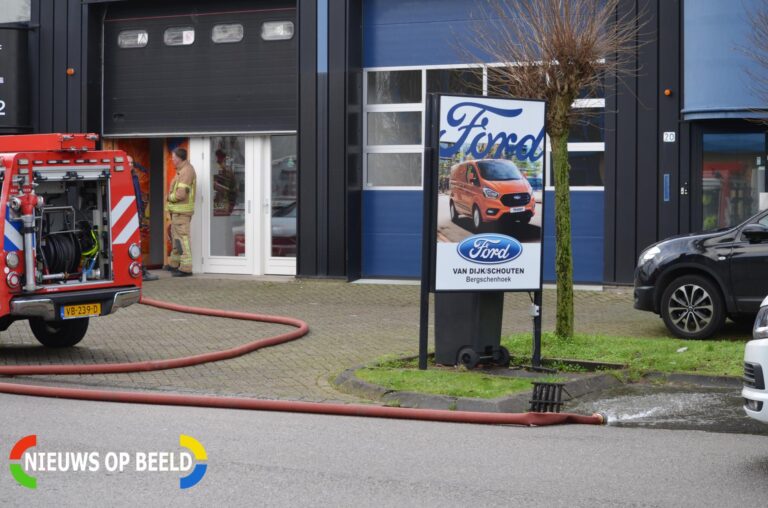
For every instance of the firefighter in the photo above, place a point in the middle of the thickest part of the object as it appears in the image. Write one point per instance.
(181, 206)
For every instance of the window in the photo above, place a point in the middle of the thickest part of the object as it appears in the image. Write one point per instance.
(586, 147)
(587, 166)
(394, 169)
(393, 128)
(277, 30)
(394, 125)
(179, 36)
(471, 175)
(587, 169)
(497, 85)
(458, 81)
(15, 11)
(589, 128)
(132, 39)
(394, 87)
(499, 170)
(225, 34)
(227, 189)
(396, 128)
(284, 195)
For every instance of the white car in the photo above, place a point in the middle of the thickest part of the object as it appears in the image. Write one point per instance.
(283, 232)
(756, 367)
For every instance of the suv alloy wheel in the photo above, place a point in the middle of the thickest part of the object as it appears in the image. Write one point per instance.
(692, 307)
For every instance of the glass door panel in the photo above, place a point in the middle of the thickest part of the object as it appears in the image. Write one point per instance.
(227, 191)
(227, 180)
(283, 206)
(733, 177)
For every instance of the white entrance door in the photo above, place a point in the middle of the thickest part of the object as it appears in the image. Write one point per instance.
(225, 177)
(247, 195)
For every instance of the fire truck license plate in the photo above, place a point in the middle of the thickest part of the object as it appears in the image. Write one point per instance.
(81, 311)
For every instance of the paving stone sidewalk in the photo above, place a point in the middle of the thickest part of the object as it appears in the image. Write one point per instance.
(349, 324)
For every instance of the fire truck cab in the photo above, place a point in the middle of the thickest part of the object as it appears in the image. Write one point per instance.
(71, 247)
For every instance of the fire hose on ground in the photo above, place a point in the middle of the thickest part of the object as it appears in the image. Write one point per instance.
(528, 419)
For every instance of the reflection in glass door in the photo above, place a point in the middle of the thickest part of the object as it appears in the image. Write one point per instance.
(733, 178)
(227, 191)
(282, 182)
(228, 222)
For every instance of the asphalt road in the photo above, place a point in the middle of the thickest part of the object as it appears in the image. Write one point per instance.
(281, 459)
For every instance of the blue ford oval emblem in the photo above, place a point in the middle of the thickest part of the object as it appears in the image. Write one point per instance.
(490, 249)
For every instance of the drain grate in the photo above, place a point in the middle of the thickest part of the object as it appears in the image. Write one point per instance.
(547, 397)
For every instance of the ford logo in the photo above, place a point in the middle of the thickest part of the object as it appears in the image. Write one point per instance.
(490, 249)
(470, 121)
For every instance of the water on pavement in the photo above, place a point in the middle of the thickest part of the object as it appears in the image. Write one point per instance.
(670, 407)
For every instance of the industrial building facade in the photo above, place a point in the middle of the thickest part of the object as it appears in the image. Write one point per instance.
(305, 120)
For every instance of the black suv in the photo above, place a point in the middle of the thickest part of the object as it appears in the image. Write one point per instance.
(695, 281)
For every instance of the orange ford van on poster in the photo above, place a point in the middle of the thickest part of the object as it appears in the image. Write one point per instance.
(487, 190)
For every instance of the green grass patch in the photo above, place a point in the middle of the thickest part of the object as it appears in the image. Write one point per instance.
(444, 381)
(641, 355)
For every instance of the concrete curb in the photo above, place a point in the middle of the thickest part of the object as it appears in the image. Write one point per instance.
(518, 403)
(347, 382)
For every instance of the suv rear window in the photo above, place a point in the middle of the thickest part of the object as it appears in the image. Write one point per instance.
(499, 170)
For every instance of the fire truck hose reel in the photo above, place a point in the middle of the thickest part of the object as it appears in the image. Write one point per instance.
(62, 253)
(527, 419)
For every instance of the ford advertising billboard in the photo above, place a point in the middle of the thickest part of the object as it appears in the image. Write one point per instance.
(487, 193)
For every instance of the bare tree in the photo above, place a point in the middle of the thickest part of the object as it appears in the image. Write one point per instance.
(556, 50)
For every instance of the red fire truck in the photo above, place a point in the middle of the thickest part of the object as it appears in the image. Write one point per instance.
(70, 234)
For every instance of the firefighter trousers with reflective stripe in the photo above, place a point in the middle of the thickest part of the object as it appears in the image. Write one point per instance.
(181, 253)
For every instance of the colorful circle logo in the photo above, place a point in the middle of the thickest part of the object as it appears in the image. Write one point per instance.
(17, 471)
(194, 446)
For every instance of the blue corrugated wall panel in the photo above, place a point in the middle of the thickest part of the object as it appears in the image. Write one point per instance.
(418, 32)
(719, 71)
(392, 233)
(587, 233)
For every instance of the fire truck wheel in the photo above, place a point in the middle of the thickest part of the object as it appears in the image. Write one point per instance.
(59, 333)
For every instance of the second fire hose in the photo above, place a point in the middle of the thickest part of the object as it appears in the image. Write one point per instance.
(528, 419)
